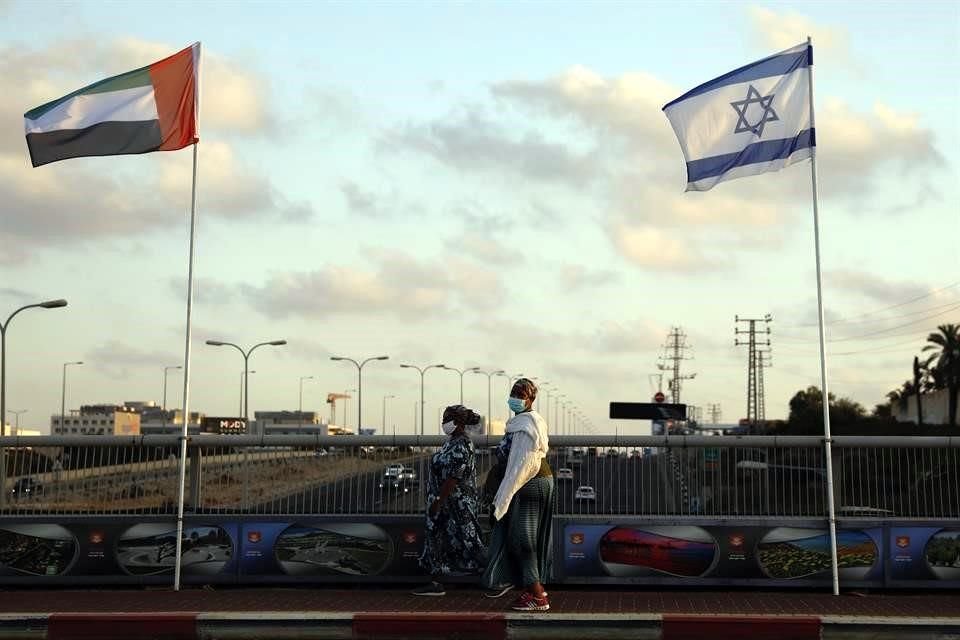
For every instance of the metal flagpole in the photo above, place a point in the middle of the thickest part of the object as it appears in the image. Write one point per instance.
(186, 375)
(828, 442)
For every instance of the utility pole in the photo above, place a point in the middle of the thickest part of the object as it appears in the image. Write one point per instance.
(674, 353)
(753, 403)
(715, 412)
(764, 360)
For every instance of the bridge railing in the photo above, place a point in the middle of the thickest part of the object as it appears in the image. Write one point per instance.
(708, 477)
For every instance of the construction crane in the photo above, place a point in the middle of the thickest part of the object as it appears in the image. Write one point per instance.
(332, 401)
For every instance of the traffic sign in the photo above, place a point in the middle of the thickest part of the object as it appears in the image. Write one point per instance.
(659, 397)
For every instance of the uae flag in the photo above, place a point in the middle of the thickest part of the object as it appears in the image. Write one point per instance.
(153, 108)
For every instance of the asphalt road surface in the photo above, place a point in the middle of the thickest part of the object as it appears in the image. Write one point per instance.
(623, 485)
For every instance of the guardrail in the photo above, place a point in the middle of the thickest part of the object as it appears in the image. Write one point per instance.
(729, 477)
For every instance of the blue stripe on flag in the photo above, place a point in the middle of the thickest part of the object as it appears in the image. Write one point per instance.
(776, 65)
(751, 154)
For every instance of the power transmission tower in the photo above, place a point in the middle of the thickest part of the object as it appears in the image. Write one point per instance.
(674, 352)
(753, 402)
(715, 413)
(764, 360)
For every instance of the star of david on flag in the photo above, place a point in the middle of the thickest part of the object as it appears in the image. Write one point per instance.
(752, 120)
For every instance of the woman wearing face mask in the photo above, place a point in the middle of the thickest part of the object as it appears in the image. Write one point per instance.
(452, 543)
(523, 506)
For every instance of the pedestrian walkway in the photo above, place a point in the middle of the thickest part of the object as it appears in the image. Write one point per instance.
(368, 612)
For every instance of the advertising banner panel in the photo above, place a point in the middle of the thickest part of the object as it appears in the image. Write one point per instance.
(719, 554)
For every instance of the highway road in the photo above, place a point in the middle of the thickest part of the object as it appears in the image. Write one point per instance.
(623, 485)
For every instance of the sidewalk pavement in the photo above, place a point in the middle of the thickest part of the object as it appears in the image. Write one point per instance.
(367, 612)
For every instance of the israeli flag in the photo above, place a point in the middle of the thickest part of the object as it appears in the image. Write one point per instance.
(755, 119)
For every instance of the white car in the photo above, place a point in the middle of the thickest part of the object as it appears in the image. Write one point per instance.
(564, 474)
(585, 493)
(393, 470)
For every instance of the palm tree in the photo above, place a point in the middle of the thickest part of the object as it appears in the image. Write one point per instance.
(944, 364)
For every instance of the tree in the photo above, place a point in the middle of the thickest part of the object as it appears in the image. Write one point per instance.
(806, 410)
(944, 364)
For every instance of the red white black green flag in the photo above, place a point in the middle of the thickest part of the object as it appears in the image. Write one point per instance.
(153, 108)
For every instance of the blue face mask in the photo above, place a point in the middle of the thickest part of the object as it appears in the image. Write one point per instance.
(517, 405)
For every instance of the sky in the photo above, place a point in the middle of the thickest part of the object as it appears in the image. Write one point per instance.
(475, 184)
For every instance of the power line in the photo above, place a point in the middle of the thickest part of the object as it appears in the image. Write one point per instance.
(887, 318)
(876, 311)
(868, 336)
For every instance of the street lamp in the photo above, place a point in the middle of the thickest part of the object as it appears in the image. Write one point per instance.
(545, 388)
(240, 405)
(165, 370)
(359, 366)
(300, 406)
(461, 377)
(49, 304)
(422, 371)
(489, 375)
(16, 429)
(383, 423)
(246, 366)
(503, 374)
(556, 411)
(63, 393)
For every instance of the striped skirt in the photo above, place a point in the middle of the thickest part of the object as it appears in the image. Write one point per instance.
(520, 547)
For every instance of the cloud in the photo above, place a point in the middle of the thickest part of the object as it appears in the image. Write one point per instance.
(574, 277)
(852, 147)
(626, 107)
(484, 249)
(369, 204)
(206, 290)
(868, 285)
(623, 115)
(14, 293)
(474, 142)
(116, 359)
(80, 201)
(399, 284)
(781, 31)
(657, 249)
(628, 339)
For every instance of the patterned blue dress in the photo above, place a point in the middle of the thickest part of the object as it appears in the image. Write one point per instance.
(453, 542)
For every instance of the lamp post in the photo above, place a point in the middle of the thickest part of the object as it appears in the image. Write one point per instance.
(503, 374)
(422, 371)
(359, 366)
(545, 387)
(240, 405)
(49, 304)
(300, 406)
(556, 411)
(63, 392)
(16, 429)
(461, 377)
(489, 405)
(383, 422)
(246, 366)
(165, 370)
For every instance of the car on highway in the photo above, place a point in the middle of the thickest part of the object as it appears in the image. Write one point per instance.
(393, 470)
(585, 493)
(575, 456)
(26, 488)
(613, 453)
(399, 478)
(636, 453)
(564, 473)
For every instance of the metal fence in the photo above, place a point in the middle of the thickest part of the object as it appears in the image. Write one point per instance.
(678, 476)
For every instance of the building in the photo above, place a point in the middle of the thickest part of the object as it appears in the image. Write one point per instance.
(934, 406)
(97, 420)
(288, 423)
